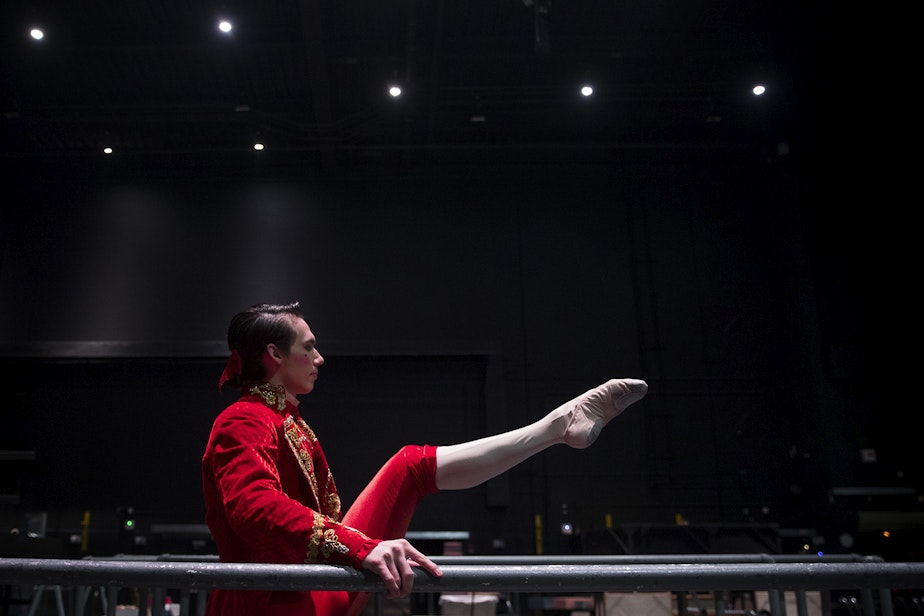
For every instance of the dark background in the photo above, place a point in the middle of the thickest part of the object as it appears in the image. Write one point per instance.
(462, 277)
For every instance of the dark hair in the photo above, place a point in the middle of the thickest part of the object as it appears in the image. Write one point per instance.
(254, 328)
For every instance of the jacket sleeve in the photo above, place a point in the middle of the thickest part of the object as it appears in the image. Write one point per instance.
(244, 455)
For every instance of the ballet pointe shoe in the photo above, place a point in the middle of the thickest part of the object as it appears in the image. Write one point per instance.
(589, 412)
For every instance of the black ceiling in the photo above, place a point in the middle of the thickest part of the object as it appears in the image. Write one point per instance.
(306, 76)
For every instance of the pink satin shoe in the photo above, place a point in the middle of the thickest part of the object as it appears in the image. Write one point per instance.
(592, 410)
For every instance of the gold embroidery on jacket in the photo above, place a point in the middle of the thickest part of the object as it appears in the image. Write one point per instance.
(333, 504)
(330, 489)
(298, 435)
(323, 542)
(273, 395)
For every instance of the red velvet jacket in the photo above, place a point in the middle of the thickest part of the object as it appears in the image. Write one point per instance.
(270, 496)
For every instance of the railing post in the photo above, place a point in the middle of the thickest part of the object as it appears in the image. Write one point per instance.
(801, 604)
(201, 599)
(519, 604)
(113, 593)
(777, 604)
(869, 607)
(184, 602)
(37, 598)
(81, 594)
(826, 603)
(143, 602)
(158, 598)
(885, 600)
(719, 601)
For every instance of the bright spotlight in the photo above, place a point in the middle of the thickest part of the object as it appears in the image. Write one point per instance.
(225, 26)
(37, 34)
(395, 91)
(587, 90)
(258, 147)
(759, 89)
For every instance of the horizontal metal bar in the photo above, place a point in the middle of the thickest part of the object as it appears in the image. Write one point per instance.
(872, 491)
(532, 578)
(218, 349)
(181, 529)
(12, 455)
(437, 535)
(105, 349)
(601, 559)
(651, 559)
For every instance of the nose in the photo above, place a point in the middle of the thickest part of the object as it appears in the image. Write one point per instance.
(318, 359)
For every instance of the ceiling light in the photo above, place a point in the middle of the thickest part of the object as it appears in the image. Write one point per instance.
(759, 89)
(225, 26)
(258, 147)
(37, 34)
(107, 150)
(587, 90)
(395, 91)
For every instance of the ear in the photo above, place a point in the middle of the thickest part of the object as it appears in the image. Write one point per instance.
(273, 354)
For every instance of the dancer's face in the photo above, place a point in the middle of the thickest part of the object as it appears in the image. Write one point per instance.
(298, 367)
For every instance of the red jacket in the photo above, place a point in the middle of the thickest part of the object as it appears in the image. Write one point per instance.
(270, 498)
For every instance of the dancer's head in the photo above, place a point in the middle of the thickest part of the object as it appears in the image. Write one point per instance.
(273, 343)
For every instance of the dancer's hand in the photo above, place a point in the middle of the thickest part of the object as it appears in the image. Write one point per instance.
(393, 561)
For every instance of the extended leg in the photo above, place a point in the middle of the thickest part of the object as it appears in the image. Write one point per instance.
(385, 507)
(576, 423)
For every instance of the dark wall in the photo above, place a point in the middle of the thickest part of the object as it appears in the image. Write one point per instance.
(702, 278)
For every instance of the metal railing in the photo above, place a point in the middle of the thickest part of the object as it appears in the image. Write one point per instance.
(873, 578)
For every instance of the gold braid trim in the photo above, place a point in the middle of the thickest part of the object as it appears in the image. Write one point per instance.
(323, 542)
(333, 506)
(296, 435)
(273, 395)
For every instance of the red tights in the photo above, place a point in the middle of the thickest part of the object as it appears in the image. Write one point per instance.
(383, 510)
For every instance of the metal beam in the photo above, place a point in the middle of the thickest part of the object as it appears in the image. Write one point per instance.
(504, 578)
